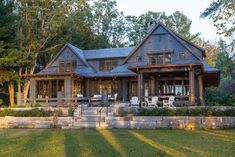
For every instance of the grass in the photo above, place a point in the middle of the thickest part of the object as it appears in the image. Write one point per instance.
(116, 143)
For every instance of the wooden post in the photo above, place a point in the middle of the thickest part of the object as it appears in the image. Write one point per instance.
(192, 85)
(152, 87)
(140, 86)
(201, 92)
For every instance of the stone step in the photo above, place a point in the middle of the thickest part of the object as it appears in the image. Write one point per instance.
(89, 124)
(91, 119)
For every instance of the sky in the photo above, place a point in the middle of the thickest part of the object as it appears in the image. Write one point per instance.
(191, 8)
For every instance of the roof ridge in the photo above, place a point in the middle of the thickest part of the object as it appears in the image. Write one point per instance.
(109, 48)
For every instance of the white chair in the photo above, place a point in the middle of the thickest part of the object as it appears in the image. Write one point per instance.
(96, 97)
(153, 102)
(169, 103)
(113, 98)
(135, 101)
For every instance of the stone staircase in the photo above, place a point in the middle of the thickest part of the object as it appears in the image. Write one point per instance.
(90, 117)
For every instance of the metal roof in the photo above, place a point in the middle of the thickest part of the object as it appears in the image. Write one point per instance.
(107, 53)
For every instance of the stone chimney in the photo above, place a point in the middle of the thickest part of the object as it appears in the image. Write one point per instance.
(151, 24)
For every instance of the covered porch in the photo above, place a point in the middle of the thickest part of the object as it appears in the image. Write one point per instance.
(184, 82)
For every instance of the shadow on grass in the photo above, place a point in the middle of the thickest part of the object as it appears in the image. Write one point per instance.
(133, 146)
(87, 143)
(28, 144)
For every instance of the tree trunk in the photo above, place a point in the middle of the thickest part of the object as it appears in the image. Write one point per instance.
(11, 93)
(19, 79)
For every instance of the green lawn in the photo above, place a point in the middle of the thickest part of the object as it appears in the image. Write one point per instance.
(116, 142)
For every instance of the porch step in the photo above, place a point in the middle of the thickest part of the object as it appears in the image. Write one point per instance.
(89, 124)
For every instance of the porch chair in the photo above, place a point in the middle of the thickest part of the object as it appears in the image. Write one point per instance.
(153, 102)
(114, 98)
(169, 103)
(134, 101)
(96, 97)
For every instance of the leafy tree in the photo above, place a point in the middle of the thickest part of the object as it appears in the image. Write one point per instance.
(138, 26)
(222, 12)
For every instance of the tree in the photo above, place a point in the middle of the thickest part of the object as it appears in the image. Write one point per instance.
(212, 50)
(138, 26)
(222, 12)
(8, 46)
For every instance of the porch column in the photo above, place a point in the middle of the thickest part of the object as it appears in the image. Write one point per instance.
(140, 86)
(68, 87)
(32, 89)
(201, 92)
(124, 90)
(192, 86)
(152, 87)
(87, 87)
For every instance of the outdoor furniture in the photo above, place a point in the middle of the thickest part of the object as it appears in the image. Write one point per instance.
(169, 103)
(134, 101)
(81, 98)
(114, 98)
(96, 97)
(153, 102)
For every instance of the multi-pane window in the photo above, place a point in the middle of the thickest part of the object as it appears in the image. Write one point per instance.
(67, 66)
(74, 65)
(139, 59)
(107, 65)
(164, 58)
(61, 67)
(182, 55)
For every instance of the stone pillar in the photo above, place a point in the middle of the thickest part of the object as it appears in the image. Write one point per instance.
(19, 98)
(140, 86)
(32, 89)
(68, 87)
(124, 90)
(192, 86)
(201, 92)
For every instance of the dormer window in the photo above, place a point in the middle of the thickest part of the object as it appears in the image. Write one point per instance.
(74, 65)
(68, 67)
(139, 59)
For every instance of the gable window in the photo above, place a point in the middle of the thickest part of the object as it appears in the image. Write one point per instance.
(74, 65)
(182, 55)
(107, 65)
(139, 59)
(61, 66)
(68, 67)
(163, 58)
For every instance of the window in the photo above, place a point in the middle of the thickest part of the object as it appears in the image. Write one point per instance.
(61, 67)
(173, 87)
(68, 67)
(167, 59)
(139, 59)
(182, 55)
(74, 65)
(160, 59)
(107, 65)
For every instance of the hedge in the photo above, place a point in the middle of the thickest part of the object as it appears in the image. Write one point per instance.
(185, 112)
(29, 113)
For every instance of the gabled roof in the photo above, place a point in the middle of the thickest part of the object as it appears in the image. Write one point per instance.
(182, 41)
(107, 53)
(78, 52)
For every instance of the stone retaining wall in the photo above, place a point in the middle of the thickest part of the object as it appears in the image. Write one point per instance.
(177, 122)
(137, 122)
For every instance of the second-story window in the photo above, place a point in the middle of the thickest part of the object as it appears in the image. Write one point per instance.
(68, 67)
(74, 65)
(139, 59)
(61, 66)
(107, 65)
(164, 58)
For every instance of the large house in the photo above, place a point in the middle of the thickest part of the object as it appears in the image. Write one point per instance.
(162, 64)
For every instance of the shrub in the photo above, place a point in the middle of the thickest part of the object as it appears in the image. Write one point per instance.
(204, 111)
(70, 111)
(29, 113)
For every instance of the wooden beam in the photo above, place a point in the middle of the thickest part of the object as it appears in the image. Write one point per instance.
(140, 86)
(201, 92)
(192, 86)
